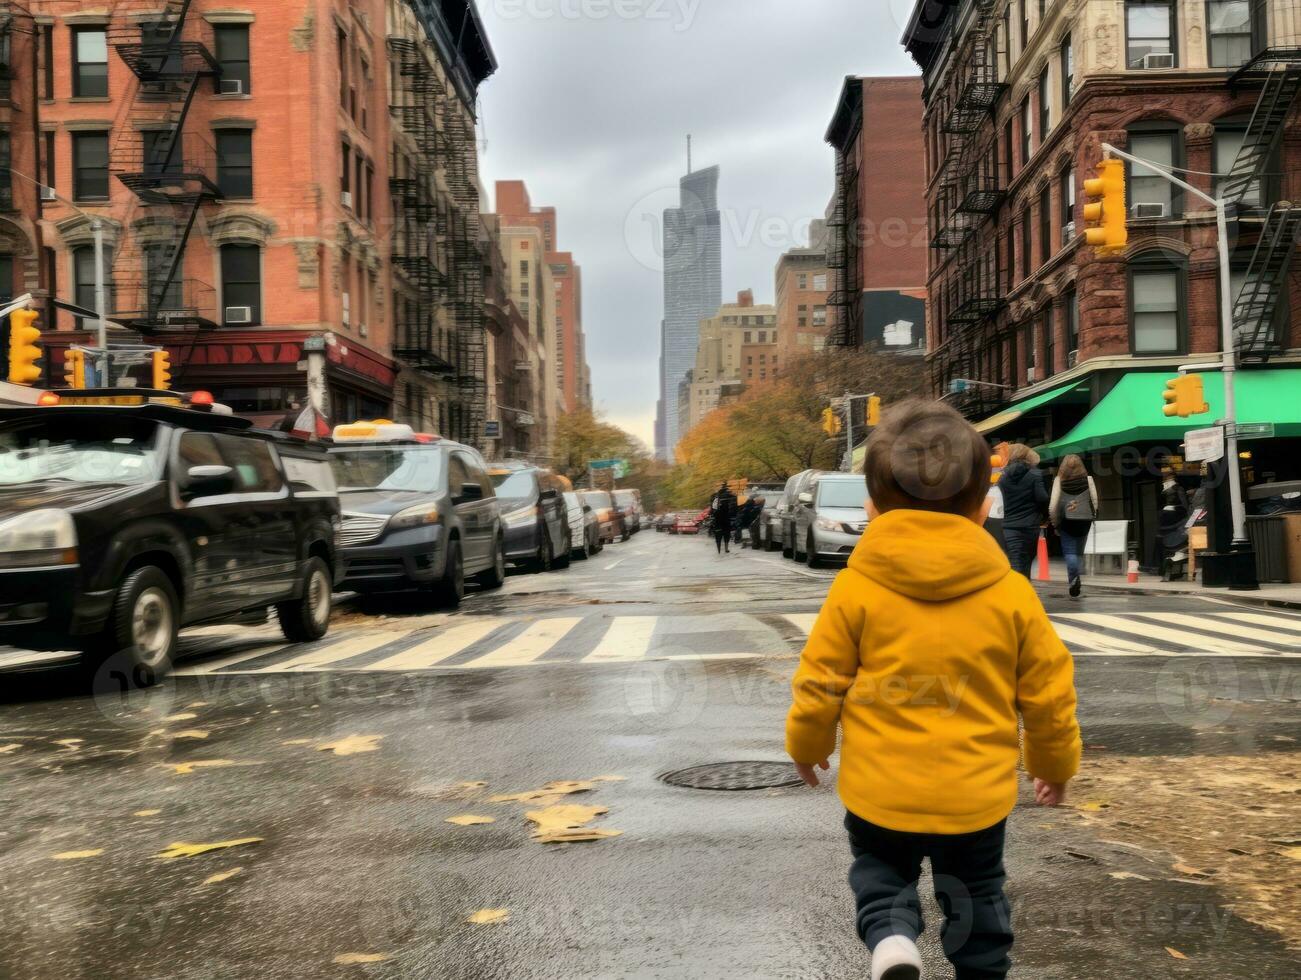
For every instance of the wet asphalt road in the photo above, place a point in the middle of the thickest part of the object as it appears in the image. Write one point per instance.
(355, 855)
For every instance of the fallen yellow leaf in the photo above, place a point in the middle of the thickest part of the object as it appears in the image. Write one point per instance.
(146, 813)
(472, 784)
(222, 876)
(1185, 869)
(75, 855)
(1294, 853)
(567, 824)
(197, 704)
(297, 741)
(609, 779)
(185, 768)
(181, 850)
(183, 716)
(470, 820)
(1175, 953)
(551, 791)
(1128, 876)
(71, 744)
(347, 959)
(353, 745)
(11, 747)
(488, 917)
(191, 733)
(1093, 806)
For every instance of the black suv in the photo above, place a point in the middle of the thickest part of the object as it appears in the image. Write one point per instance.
(417, 515)
(534, 514)
(120, 525)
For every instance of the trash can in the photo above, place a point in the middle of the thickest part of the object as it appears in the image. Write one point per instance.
(1292, 534)
(1269, 540)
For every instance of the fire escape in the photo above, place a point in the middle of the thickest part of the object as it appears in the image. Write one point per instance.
(171, 172)
(1256, 308)
(843, 246)
(972, 188)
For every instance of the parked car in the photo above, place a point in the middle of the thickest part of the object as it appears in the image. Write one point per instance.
(663, 522)
(416, 514)
(784, 518)
(761, 530)
(629, 504)
(122, 524)
(608, 517)
(584, 527)
(691, 523)
(534, 514)
(830, 517)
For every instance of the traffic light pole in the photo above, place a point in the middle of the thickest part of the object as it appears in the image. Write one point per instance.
(1228, 359)
(105, 364)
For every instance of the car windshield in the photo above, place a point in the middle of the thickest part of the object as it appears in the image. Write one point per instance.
(599, 501)
(78, 449)
(624, 498)
(515, 486)
(842, 493)
(393, 468)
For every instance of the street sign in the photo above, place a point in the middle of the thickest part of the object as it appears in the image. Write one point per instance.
(492, 429)
(1204, 445)
(604, 464)
(1254, 430)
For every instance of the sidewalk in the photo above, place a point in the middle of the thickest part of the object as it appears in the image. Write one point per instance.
(1270, 594)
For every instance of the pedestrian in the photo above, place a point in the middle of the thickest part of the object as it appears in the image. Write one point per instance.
(756, 524)
(1172, 528)
(1025, 499)
(941, 647)
(723, 511)
(1073, 507)
(745, 517)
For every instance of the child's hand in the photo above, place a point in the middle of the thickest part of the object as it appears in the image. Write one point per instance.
(808, 774)
(1049, 794)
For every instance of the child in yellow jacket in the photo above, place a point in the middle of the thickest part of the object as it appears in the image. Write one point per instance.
(925, 652)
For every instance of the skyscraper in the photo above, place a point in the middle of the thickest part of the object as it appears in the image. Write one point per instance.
(693, 290)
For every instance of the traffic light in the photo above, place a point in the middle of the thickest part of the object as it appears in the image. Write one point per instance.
(162, 363)
(1108, 224)
(873, 410)
(831, 421)
(1184, 397)
(24, 351)
(74, 368)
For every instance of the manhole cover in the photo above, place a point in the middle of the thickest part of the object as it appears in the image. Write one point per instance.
(735, 776)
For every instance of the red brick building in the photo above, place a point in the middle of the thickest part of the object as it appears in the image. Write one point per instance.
(248, 164)
(876, 245)
(803, 284)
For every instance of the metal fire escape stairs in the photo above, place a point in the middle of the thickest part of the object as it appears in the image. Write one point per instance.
(171, 172)
(1255, 308)
(842, 254)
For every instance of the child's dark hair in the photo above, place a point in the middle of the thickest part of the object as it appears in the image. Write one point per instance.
(925, 456)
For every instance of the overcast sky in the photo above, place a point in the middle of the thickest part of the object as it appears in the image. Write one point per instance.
(591, 106)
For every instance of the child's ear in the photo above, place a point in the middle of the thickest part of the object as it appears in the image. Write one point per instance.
(985, 508)
(872, 512)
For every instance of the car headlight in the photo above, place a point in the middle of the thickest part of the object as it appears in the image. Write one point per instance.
(417, 516)
(43, 537)
(518, 518)
(826, 524)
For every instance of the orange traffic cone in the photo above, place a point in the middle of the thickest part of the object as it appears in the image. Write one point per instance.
(1043, 575)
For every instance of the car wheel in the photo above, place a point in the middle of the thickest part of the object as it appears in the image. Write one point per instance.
(545, 560)
(450, 589)
(566, 552)
(811, 556)
(307, 618)
(494, 577)
(585, 552)
(788, 551)
(143, 626)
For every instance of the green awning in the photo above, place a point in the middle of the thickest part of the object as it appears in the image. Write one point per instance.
(1014, 412)
(1132, 412)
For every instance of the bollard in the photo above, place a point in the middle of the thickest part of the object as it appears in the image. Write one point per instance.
(1132, 577)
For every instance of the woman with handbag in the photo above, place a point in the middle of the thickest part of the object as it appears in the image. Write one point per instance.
(1073, 507)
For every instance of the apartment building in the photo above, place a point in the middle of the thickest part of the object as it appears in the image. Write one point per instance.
(512, 397)
(737, 347)
(530, 286)
(803, 285)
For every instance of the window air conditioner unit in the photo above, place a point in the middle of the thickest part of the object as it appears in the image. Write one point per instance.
(232, 86)
(346, 198)
(1068, 231)
(239, 314)
(363, 330)
(1029, 375)
(1073, 358)
(1158, 60)
(1149, 210)
(48, 193)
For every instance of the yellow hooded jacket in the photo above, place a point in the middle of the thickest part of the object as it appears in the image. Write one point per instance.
(926, 650)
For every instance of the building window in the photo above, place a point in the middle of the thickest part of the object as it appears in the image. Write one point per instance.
(1146, 186)
(820, 282)
(231, 42)
(1050, 345)
(802, 281)
(1027, 131)
(83, 278)
(241, 284)
(344, 79)
(1067, 191)
(1007, 42)
(1031, 351)
(345, 174)
(90, 63)
(47, 61)
(1071, 308)
(524, 268)
(1156, 290)
(746, 339)
(1045, 224)
(1068, 71)
(819, 316)
(1228, 143)
(163, 295)
(1230, 29)
(50, 162)
(1027, 235)
(158, 144)
(1045, 106)
(1025, 26)
(1150, 26)
(6, 177)
(90, 166)
(235, 162)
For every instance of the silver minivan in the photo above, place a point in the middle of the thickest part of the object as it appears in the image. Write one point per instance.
(830, 517)
(783, 519)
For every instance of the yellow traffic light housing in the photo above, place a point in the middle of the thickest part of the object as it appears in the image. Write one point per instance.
(873, 410)
(162, 370)
(24, 349)
(1105, 215)
(1184, 396)
(74, 368)
(831, 421)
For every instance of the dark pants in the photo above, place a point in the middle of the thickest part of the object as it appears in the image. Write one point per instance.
(1022, 546)
(1073, 551)
(968, 874)
(721, 538)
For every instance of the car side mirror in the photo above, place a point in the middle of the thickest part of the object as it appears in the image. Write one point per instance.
(551, 494)
(806, 499)
(587, 508)
(207, 481)
(469, 492)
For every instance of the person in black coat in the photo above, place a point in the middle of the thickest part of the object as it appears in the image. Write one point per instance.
(723, 510)
(1025, 502)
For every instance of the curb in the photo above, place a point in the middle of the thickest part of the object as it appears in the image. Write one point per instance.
(1247, 598)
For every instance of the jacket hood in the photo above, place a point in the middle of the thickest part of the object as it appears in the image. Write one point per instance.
(1018, 473)
(930, 556)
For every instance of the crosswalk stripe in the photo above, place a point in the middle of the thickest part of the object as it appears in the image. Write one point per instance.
(1081, 640)
(1194, 641)
(1212, 625)
(628, 638)
(440, 646)
(802, 621)
(212, 666)
(343, 650)
(533, 643)
(1289, 623)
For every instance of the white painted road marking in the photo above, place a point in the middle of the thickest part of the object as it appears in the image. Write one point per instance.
(628, 638)
(533, 643)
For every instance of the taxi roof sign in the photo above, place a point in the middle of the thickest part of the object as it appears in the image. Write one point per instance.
(380, 430)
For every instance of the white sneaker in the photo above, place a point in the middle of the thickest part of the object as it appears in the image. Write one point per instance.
(896, 958)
